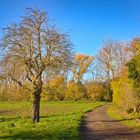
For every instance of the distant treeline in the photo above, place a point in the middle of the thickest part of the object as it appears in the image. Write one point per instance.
(110, 72)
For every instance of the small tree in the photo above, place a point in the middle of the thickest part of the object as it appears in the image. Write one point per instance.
(31, 48)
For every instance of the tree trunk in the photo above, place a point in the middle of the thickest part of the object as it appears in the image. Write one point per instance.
(36, 108)
(36, 102)
(109, 92)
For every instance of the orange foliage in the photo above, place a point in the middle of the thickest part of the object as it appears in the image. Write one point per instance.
(81, 66)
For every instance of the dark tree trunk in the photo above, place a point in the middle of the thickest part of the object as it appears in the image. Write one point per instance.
(36, 108)
(36, 102)
(109, 93)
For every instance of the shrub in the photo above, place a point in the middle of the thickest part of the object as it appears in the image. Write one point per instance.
(75, 91)
(124, 94)
(55, 89)
(96, 91)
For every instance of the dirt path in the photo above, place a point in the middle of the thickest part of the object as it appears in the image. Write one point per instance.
(98, 125)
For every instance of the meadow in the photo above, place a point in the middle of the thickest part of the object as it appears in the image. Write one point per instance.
(59, 120)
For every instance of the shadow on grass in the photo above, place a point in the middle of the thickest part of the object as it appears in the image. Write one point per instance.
(7, 119)
(41, 135)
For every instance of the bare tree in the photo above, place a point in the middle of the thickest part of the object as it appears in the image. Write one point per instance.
(110, 60)
(31, 48)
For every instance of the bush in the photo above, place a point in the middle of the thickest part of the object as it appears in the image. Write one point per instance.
(55, 89)
(75, 91)
(124, 94)
(13, 92)
(96, 91)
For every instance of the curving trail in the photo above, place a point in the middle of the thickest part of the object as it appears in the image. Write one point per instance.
(97, 125)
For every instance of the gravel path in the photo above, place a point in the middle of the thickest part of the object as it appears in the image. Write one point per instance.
(97, 125)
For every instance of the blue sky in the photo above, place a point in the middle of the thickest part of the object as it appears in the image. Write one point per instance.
(89, 21)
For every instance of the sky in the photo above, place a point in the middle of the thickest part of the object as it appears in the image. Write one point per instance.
(89, 22)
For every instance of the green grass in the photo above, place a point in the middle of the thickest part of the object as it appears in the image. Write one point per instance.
(131, 120)
(59, 120)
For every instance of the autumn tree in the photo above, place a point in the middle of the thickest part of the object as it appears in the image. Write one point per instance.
(31, 48)
(75, 88)
(109, 61)
(81, 65)
(134, 68)
(124, 93)
(126, 85)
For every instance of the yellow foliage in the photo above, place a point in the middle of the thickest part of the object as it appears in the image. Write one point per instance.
(96, 91)
(54, 89)
(57, 81)
(82, 64)
(75, 91)
(124, 94)
(13, 92)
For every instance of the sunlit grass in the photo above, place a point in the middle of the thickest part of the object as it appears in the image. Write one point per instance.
(59, 120)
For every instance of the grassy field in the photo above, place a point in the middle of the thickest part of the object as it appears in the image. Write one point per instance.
(59, 120)
(131, 120)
